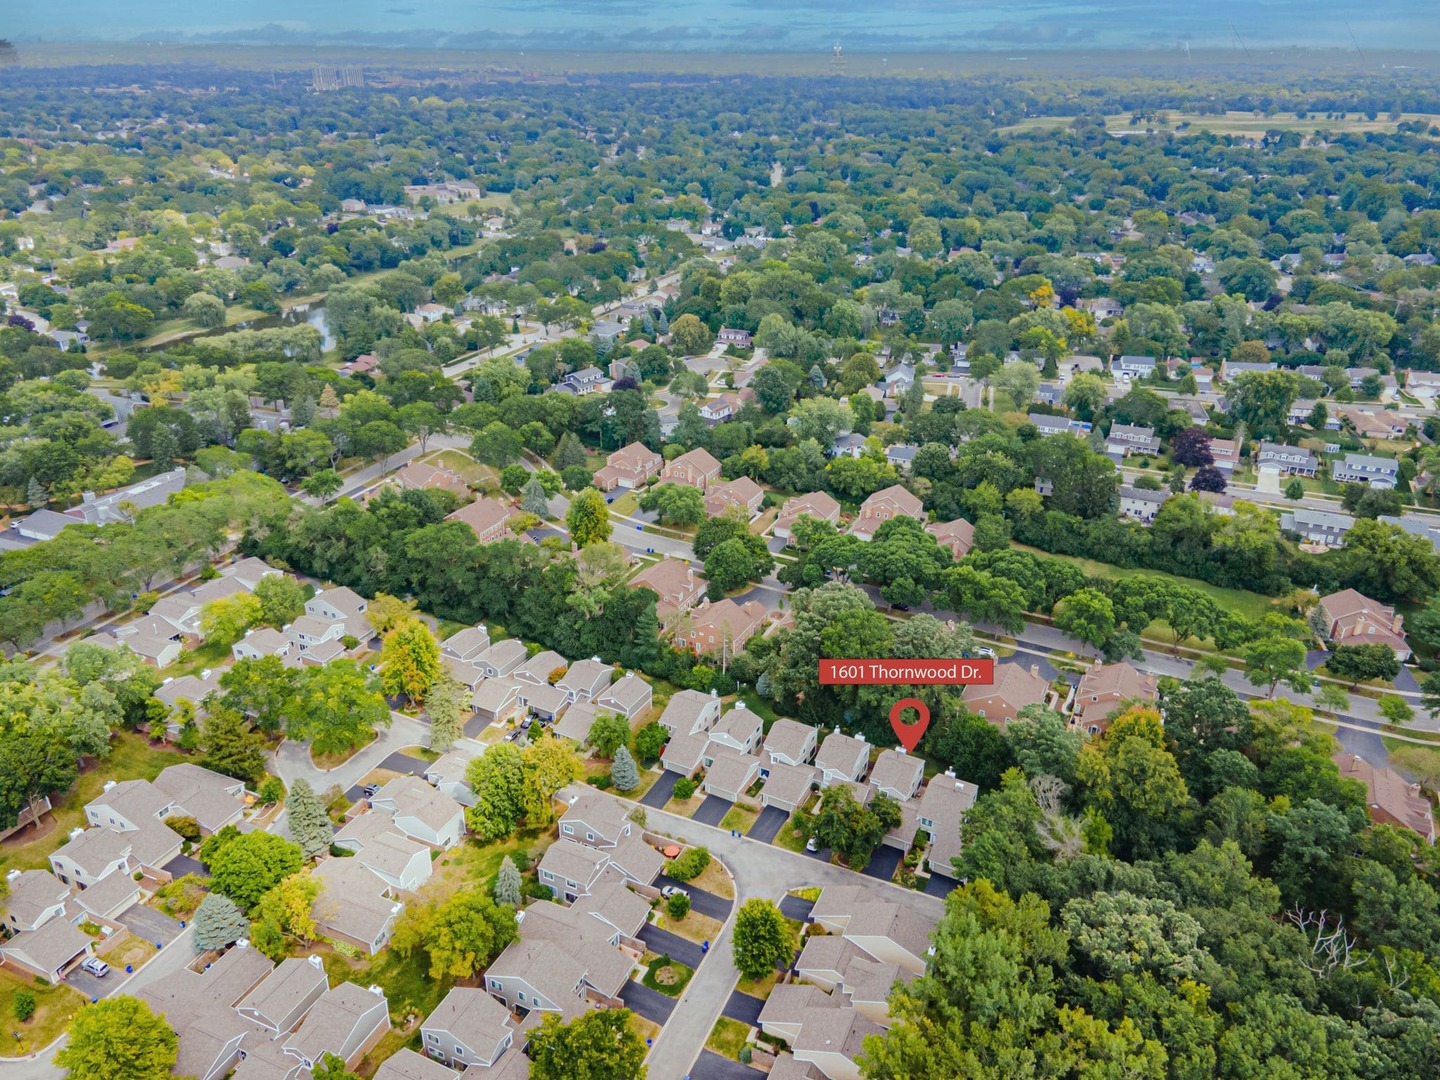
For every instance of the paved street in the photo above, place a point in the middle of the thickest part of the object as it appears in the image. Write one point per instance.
(702, 902)
(292, 759)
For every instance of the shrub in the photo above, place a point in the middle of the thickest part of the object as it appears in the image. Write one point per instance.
(745, 1055)
(24, 1005)
(690, 865)
(271, 790)
(684, 788)
(678, 906)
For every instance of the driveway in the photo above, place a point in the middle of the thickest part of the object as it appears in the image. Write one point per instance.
(712, 810)
(711, 1066)
(768, 825)
(883, 863)
(181, 865)
(792, 907)
(651, 1004)
(701, 902)
(404, 763)
(154, 926)
(660, 792)
(940, 885)
(672, 945)
(94, 989)
(744, 1008)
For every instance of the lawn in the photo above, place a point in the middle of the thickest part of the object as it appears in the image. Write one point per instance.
(626, 504)
(667, 976)
(334, 761)
(685, 807)
(54, 1007)
(133, 950)
(759, 988)
(716, 879)
(478, 864)
(457, 461)
(796, 832)
(694, 927)
(728, 1037)
(406, 980)
(738, 817)
(131, 757)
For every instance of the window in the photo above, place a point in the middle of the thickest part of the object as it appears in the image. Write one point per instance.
(521, 995)
(568, 830)
(589, 836)
(495, 984)
(459, 1050)
(430, 1036)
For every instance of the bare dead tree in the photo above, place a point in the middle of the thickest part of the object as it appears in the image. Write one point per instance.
(1331, 948)
(1056, 830)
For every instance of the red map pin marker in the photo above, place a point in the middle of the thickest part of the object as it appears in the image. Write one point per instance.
(909, 734)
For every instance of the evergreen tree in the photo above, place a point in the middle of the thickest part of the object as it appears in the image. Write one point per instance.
(532, 500)
(569, 452)
(35, 494)
(303, 412)
(164, 447)
(623, 772)
(219, 922)
(309, 824)
(445, 707)
(231, 746)
(507, 884)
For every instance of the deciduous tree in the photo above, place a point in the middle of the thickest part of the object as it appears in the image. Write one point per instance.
(588, 519)
(598, 1045)
(762, 940)
(118, 1038)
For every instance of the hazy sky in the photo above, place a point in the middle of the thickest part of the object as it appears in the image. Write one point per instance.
(861, 25)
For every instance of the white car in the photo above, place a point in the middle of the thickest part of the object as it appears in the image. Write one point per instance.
(985, 651)
(811, 845)
(95, 966)
(668, 891)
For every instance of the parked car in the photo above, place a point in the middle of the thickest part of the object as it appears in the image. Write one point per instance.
(985, 651)
(668, 891)
(95, 966)
(370, 790)
(811, 845)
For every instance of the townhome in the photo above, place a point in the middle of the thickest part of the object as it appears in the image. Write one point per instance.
(1104, 688)
(543, 702)
(487, 517)
(48, 952)
(1351, 618)
(595, 821)
(587, 679)
(90, 855)
(200, 1008)
(262, 642)
(897, 775)
(817, 506)
(402, 863)
(570, 870)
(942, 808)
(1139, 504)
(850, 445)
(421, 812)
(842, 758)
(789, 742)
(346, 1021)
(35, 898)
(690, 712)
(729, 773)
(502, 658)
(698, 468)
(1380, 473)
(723, 626)
(1317, 526)
(575, 721)
(676, 585)
(354, 905)
(742, 494)
(1059, 425)
(841, 968)
(1391, 799)
(466, 646)
(740, 729)
(285, 995)
(683, 754)
(448, 772)
(469, 1027)
(885, 504)
(1014, 687)
(629, 696)
(889, 932)
(543, 669)
(342, 605)
(538, 976)
(1288, 459)
(193, 691)
(415, 476)
(629, 467)
(787, 787)
(1127, 439)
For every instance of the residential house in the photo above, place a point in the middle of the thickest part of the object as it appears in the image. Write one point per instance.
(48, 952)
(488, 517)
(629, 696)
(1231, 369)
(93, 854)
(574, 723)
(897, 380)
(212, 799)
(354, 904)
(346, 1021)
(399, 861)
(1288, 459)
(285, 995)
(1102, 307)
(1423, 384)
(1391, 799)
(420, 811)
(957, 535)
(588, 380)
(265, 641)
(729, 336)
(1104, 688)
(684, 754)
(121, 505)
(1417, 525)
(901, 456)
(538, 976)
(36, 897)
(850, 445)
(1134, 367)
(897, 774)
(1139, 504)
(789, 742)
(416, 476)
(942, 807)
(629, 467)
(1226, 453)
(723, 626)
(730, 773)
(448, 772)
(469, 1027)
(740, 730)
(691, 712)
(342, 605)
(1380, 473)
(698, 468)
(1127, 439)
(1352, 618)
(842, 758)
(543, 669)
(466, 645)
(817, 505)
(1014, 687)
(1059, 425)
(787, 787)
(893, 501)
(741, 493)
(502, 658)
(587, 679)
(1317, 526)
(725, 407)
(891, 933)
(570, 870)
(595, 821)
(676, 585)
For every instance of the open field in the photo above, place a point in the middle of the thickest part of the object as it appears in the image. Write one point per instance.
(1230, 123)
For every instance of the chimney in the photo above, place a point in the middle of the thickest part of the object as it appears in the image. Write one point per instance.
(860, 737)
(107, 785)
(76, 832)
(629, 674)
(315, 961)
(950, 773)
(714, 693)
(900, 750)
(1035, 670)
(12, 875)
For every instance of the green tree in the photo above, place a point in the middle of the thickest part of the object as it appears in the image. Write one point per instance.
(1331, 698)
(1295, 490)
(598, 1045)
(461, 935)
(675, 504)
(650, 741)
(497, 445)
(588, 519)
(1087, 614)
(608, 733)
(688, 336)
(282, 599)
(23, 1005)
(219, 922)
(445, 705)
(762, 941)
(307, 821)
(336, 706)
(533, 499)
(247, 866)
(624, 773)
(331, 1067)
(1273, 659)
(323, 484)
(224, 621)
(851, 830)
(550, 764)
(678, 905)
(118, 1038)
(498, 779)
(507, 883)
(409, 660)
(263, 689)
(231, 747)
(1359, 663)
(1396, 710)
